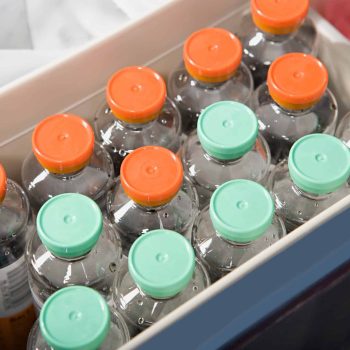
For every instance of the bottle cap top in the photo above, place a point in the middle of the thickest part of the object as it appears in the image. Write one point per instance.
(212, 55)
(3, 183)
(319, 163)
(75, 318)
(278, 16)
(241, 210)
(151, 176)
(136, 94)
(227, 130)
(63, 143)
(161, 262)
(69, 225)
(297, 81)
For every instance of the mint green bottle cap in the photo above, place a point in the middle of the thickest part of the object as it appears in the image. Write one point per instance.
(227, 130)
(319, 163)
(75, 318)
(161, 263)
(241, 210)
(69, 225)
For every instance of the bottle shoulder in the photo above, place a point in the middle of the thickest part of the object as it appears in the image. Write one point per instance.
(265, 48)
(210, 173)
(118, 136)
(15, 213)
(193, 95)
(221, 256)
(141, 310)
(343, 129)
(291, 125)
(128, 216)
(55, 272)
(295, 206)
(94, 180)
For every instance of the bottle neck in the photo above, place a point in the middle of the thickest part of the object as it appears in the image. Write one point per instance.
(232, 243)
(136, 126)
(151, 209)
(208, 157)
(121, 124)
(156, 298)
(207, 85)
(276, 38)
(70, 260)
(295, 112)
(298, 191)
(68, 175)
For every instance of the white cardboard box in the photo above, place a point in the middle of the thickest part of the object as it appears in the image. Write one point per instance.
(266, 282)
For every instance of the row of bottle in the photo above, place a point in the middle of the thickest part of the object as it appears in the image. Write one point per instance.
(227, 145)
(72, 237)
(66, 157)
(292, 103)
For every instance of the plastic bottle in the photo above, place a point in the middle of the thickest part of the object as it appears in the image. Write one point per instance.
(314, 178)
(211, 71)
(226, 146)
(74, 245)
(66, 159)
(160, 274)
(151, 193)
(295, 102)
(238, 224)
(137, 113)
(16, 225)
(274, 28)
(343, 129)
(77, 318)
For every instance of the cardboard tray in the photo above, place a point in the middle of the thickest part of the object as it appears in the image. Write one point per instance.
(265, 283)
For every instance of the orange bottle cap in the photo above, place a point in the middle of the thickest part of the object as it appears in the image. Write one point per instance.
(297, 81)
(212, 54)
(63, 143)
(278, 16)
(136, 94)
(151, 175)
(3, 183)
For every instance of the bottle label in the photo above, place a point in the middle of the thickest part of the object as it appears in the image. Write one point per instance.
(16, 310)
(14, 287)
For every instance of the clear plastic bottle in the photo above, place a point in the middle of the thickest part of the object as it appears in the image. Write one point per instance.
(274, 28)
(238, 224)
(151, 193)
(77, 318)
(226, 146)
(74, 245)
(211, 71)
(160, 274)
(314, 178)
(16, 226)
(343, 129)
(295, 102)
(65, 159)
(137, 113)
